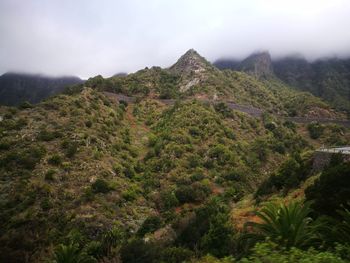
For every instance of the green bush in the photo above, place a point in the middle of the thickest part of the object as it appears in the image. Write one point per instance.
(45, 135)
(55, 159)
(25, 105)
(5, 144)
(290, 174)
(176, 255)
(138, 251)
(49, 175)
(270, 253)
(27, 159)
(331, 190)
(71, 150)
(168, 200)
(150, 225)
(210, 230)
(224, 110)
(88, 123)
(100, 186)
(315, 130)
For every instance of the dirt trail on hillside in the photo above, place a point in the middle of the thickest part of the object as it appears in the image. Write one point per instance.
(255, 112)
(139, 132)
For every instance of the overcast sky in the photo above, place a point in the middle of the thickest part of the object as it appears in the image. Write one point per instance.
(91, 37)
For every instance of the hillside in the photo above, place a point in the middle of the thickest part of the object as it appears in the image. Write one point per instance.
(194, 77)
(327, 78)
(16, 88)
(108, 180)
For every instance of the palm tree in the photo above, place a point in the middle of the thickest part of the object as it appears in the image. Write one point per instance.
(111, 239)
(343, 228)
(286, 225)
(71, 254)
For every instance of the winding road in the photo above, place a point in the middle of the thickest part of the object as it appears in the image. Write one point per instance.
(255, 112)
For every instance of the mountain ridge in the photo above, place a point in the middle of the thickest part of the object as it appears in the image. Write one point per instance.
(16, 88)
(327, 78)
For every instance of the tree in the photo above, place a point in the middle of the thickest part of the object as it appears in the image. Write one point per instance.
(286, 225)
(138, 251)
(331, 190)
(111, 239)
(218, 241)
(71, 254)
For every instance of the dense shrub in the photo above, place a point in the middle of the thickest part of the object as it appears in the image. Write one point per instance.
(45, 135)
(291, 173)
(223, 109)
(269, 252)
(55, 159)
(100, 186)
(168, 200)
(150, 225)
(49, 175)
(71, 150)
(185, 194)
(331, 190)
(138, 251)
(210, 230)
(176, 255)
(315, 130)
(27, 159)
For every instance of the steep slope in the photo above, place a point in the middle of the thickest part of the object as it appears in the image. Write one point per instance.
(258, 65)
(16, 88)
(194, 77)
(87, 171)
(65, 164)
(82, 163)
(328, 79)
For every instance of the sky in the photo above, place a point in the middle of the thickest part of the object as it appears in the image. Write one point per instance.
(92, 37)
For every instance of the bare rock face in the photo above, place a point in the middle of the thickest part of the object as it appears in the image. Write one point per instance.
(192, 68)
(258, 64)
(190, 62)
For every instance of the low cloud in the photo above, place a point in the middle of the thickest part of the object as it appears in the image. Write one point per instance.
(87, 38)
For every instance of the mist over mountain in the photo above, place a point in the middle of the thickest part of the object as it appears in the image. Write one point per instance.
(16, 88)
(328, 78)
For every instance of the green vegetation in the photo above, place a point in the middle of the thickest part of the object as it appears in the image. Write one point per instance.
(315, 130)
(331, 191)
(291, 173)
(287, 225)
(87, 179)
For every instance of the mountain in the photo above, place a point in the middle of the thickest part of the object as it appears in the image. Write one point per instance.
(136, 166)
(258, 64)
(192, 76)
(325, 78)
(16, 88)
(328, 79)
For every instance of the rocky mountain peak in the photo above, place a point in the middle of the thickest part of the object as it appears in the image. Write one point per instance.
(258, 64)
(190, 62)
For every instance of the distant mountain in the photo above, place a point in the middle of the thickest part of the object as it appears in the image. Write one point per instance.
(16, 88)
(258, 64)
(325, 78)
(120, 74)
